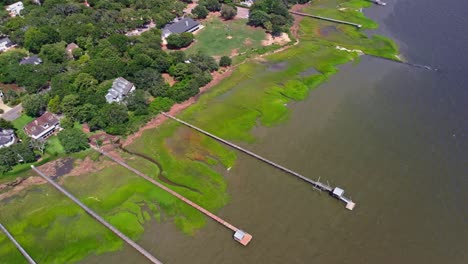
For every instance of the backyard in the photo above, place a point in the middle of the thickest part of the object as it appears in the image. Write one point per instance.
(220, 38)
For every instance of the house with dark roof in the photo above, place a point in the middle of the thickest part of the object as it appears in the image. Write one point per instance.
(119, 90)
(33, 60)
(178, 26)
(7, 137)
(5, 44)
(43, 126)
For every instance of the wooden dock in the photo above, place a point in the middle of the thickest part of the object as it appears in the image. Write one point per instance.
(244, 239)
(114, 230)
(327, 19)
(316, 184)
(17, 245)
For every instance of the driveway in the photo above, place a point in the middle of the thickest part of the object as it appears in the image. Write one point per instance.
(13, 113)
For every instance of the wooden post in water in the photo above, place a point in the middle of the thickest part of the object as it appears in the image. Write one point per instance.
(17, 245)
(99, 218)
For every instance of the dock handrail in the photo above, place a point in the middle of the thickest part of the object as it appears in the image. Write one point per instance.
(322, 186)
(327, 19)
(17, 245)
(114, 230)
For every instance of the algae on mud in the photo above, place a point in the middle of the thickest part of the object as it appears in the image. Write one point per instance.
(56, 231)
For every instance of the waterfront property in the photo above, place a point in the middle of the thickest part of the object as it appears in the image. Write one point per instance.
(15, 9)
(178, 26)
(33, 60)
(5, 44)
(7, 137)
(42, 127)
(119, 90)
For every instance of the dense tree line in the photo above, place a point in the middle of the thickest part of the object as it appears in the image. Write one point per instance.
(273, 15)
(75, 84)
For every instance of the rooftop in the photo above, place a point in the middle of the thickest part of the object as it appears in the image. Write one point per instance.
(31, 60)
(182, 25)
(120, 87)
(41, 124)
(6, 136)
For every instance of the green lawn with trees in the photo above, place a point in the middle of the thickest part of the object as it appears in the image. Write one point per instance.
(221, 38)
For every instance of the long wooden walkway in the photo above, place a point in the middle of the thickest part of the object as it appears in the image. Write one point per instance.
(244, 240)
(349, 204)
(327, 19)
(140, 249)
(17, 245)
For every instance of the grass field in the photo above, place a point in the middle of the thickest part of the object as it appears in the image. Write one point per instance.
(22, 121)
(257, 93)
(219, 38)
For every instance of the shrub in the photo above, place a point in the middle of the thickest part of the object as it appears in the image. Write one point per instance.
(73, 140)
(177, 41)
(228, 12)
(225, 61)
(161, 104)
(200, 11)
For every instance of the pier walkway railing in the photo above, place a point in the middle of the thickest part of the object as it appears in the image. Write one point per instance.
(17, 245)
(245, 236)
(319, 185)
(99, 218)
(327, 19)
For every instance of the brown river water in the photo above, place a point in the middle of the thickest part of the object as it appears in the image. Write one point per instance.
(385, 132)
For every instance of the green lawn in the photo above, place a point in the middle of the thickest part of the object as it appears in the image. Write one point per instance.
(22, 121)
(213, 39)
(54, 147)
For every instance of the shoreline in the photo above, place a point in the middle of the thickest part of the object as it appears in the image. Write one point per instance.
(295, 94)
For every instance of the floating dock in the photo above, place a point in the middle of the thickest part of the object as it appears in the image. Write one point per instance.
(17, 245)
(327, 19)
(114, 230)
(240, 236)
(335, 192)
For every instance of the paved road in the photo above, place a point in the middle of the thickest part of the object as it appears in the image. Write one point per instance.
(13, 114)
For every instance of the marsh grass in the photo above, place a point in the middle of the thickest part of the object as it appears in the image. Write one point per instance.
(56, 231)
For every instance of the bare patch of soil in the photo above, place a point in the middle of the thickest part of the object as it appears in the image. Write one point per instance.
(248, 42)
(168, 79)
(234, 52)
(280, 40)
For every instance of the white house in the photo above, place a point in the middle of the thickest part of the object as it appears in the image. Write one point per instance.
(5, 44)
(15, 9)
(119, 90)
(43, 126)
(7, 137)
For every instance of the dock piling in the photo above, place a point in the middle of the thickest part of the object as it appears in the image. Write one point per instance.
(17, 245)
